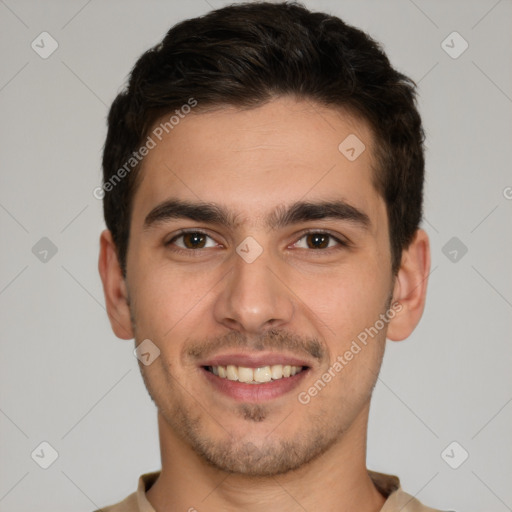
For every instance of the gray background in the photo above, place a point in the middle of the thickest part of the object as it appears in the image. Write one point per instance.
(66, 379)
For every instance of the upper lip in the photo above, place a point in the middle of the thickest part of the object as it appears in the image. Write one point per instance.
(258, 360)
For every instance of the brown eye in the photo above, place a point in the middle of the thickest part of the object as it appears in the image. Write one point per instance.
(194, 240)
(317, 241)
(191, 240)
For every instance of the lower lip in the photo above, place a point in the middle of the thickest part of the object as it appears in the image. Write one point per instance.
(254, 393)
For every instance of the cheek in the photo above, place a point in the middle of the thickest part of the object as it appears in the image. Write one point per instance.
(167, 298)
(353, 299)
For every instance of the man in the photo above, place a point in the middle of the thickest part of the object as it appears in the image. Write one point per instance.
(263, 177)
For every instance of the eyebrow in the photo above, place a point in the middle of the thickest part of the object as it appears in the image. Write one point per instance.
(301, 211)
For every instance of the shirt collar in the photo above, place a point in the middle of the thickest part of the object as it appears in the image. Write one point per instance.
(387, 485)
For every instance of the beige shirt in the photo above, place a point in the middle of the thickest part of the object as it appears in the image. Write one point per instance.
(388, 486)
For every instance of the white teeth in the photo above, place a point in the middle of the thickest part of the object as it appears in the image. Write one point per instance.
(231, 372)
(245, 374)
(255, 375)
(262, 374)
(277, 371)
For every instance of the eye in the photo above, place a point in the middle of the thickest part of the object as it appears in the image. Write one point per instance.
(191, 240)
(320, 240)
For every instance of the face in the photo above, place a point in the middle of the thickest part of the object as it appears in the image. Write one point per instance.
(253, 298)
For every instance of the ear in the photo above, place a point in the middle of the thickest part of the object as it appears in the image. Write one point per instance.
(114, 288)
(410, 288)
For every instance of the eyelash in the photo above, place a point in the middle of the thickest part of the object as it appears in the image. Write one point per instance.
(179, 250)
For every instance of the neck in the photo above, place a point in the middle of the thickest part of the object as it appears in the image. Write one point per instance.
(336, 481)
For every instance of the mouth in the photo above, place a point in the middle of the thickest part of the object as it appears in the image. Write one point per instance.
(253, 379)
(258, 375)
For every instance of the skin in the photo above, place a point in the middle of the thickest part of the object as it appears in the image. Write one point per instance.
(278, 454)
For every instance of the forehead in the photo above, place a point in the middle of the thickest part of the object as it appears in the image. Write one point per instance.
(252, 159)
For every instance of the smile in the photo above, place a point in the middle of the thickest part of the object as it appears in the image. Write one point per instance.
(255, 375)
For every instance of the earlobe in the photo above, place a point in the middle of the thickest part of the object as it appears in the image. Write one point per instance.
(114, 288)
(411, 287)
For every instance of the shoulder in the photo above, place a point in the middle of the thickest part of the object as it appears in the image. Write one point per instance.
(136, 502)
(396, 499)
(404, 502)
(129, 504)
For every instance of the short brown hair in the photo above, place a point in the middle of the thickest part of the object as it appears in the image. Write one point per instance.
(245, 55)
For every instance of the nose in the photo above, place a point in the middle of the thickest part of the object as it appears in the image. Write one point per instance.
(255, 297)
